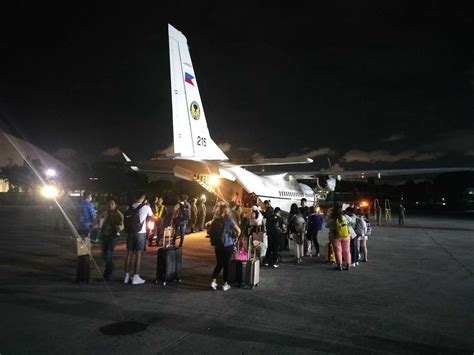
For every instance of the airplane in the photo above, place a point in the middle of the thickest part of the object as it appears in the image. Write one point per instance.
(198, 158)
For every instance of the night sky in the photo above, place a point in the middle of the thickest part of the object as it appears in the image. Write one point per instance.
(366, 83)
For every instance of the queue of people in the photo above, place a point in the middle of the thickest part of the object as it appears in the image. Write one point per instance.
(112, 222)
(269, 231)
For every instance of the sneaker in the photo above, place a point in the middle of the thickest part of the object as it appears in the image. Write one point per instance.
(226, 287)
(137, 280)
(275, 266)
(265, 264)
(353, 264)
(214, 285)
(318, 255)
(126, 280)
(357, 263)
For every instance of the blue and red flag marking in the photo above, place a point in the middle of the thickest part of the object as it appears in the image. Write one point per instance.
(188, 78)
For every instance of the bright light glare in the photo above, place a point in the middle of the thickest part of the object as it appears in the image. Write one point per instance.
(151, 225)
(49, 191)
(214, 180)
(364, 204)
(203, 197)
(50, 173)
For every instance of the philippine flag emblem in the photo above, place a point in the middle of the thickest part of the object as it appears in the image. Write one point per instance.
(188, 78)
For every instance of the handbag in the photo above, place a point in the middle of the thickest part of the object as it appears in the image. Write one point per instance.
(241, 254)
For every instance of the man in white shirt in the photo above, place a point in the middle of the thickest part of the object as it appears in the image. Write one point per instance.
(136, 237)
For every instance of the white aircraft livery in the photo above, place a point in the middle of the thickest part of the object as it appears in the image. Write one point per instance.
(198, 158)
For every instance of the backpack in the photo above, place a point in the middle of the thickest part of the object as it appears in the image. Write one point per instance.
(273, 225)
(132, 221)
(360, 228)
(369, 228)
(216, 230)
(315, 222)
(342, 228)
(299, 223)
(184, 211)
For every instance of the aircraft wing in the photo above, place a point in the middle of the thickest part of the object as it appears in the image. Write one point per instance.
(276, 161)
(361, 174)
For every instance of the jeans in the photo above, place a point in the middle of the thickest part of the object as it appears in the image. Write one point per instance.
(223, 256)
(314, 239)
(355, 250)
(181, 227)
(108, 247)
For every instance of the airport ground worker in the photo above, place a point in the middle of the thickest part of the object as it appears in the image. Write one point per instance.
(401, 215)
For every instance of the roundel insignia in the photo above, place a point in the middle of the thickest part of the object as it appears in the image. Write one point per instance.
(195, 110)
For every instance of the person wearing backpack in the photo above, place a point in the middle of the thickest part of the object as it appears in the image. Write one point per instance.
(363, 239)
(339, 236)
(274, 231)
(315, 224)
(87, 214)
(297, 228)
(135, 227)
(360, 229)
(110, 233)
(223, 231)
(181, 216)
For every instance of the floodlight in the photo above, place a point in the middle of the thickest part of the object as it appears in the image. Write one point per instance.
(214, 180)
(49, 191)
(50, 173)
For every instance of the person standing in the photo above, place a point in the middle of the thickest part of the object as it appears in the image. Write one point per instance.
(304, 209)
(378, 212)
(351, 217)
(360, 229)
(363, 240)
(110, 233)
(202, 211)
(315, 224)
(297, 228)
(135, 226)
(87, 214)
(256, 219)
(193, 218)
(338, 225)
(181, 217)
(274, 232)
(159, 214)
(401, 215)
(223, 231)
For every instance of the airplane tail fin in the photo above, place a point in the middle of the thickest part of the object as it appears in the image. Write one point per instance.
(190, 131)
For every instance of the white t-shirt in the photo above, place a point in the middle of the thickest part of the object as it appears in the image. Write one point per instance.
(144, 212)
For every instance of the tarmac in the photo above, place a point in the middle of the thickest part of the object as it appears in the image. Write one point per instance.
(415, 295)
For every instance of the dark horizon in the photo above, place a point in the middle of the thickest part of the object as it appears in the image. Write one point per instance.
(372, 85)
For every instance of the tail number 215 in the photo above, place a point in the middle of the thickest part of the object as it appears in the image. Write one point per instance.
(201, 141)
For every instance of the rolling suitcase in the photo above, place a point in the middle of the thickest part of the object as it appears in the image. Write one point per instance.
(252, 273)
(252, 269)
(329, 253)
(168, 264)
(237, 272)
(83, 269)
